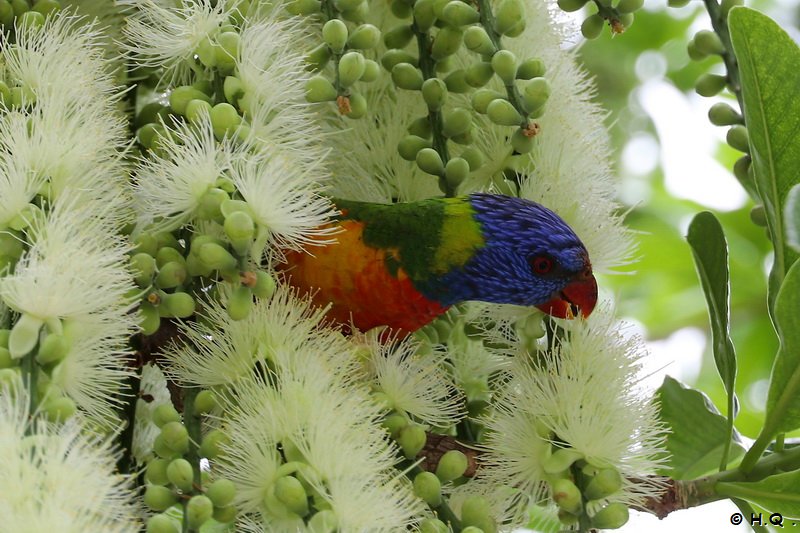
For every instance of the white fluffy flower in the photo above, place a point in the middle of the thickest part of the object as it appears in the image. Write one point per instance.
(55, 478)
(587, 394)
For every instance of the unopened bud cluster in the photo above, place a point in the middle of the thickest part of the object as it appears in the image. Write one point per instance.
(618, 14)
(26, 14)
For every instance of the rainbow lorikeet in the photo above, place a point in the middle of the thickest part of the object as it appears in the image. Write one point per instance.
(402, 265)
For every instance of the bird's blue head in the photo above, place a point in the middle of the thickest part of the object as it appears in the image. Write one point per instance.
(531, 257)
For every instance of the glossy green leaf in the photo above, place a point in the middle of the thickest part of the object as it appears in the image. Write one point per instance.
(769, 68)
(698, 434)
(792, 218)
(779, 493)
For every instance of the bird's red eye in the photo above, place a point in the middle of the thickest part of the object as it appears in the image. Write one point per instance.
(541, 264)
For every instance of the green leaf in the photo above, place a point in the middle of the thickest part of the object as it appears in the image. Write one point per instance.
(779, 493)
(792, 218)
(769, 68)
(698, 433)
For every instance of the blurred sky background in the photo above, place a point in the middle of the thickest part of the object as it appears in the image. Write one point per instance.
(672, 164)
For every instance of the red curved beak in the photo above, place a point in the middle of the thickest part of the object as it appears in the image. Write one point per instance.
(579, 296)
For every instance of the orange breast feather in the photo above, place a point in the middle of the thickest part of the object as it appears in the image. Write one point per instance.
(354, 278)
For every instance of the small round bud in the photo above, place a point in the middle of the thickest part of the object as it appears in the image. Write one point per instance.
(741, 168)
(508, 15)
(371, 71)
(500, 111)
(292, 494)
(410, 145)
(456, 81)
(323, 521)
(304, 7)
(162, 450)
(265, 285)
(457, 13)
(221, 492)
(394, 56)
(475, 512)
(225, 514)
(177, 305)
(424, 15)
(694, 53)
(53, 348)
(607, 481)
(180, 97)
(239, 226)
(737, 137)
(452, 465)
(319, 89)
(592, 26)
(504, 64)
(210, 447)
(156, 472)
(224, 118)
(758, 216)
(198, 511)
(456, 171)
(364, 37)
(180, 474)
(522, 143)
(428, 488)
(536, 93)
(164, 414)
(446, 43)
(612, 516)
(175, 436)
(420, 127)
(456, 122)
(5, 358)
(629, 6)
(433, 525)
(233, 89)
(358, 106)
(479, 74)
(240, 303)
(161, 523)
(477, 40)
(566, 495)
(721, 114)
(351, 68)
(59, 408)
(560, 460)
(398, 37)
(30, 20)
(227, 50)
(411, 440)
(171, 275)
(149, 318)
(430, 161)
(710, 84)
(482, 98)
(531, 68)
(216, 257)
(473, 157)
(334, 33)
(205, 401)
(406, 76)
(708, 43)
(571, 5)
(357, 15)
(434, 92)
(159, 498)
(318, 57)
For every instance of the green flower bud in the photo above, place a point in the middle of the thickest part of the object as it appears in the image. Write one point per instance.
(482, 98)
(334, 33)
(6, 361)
(225, 514)
(206, 52)
(197, 109)
(152, 112)
(198, 511)
(625, 21)
(428, 488)
(205, 401)
(408, 77)
(239, 226)
(164, 414)
(677, 3)
(210, 447)
(741, 168)
(177, 305)
(180, 474)
(721, 114)
(433, 525)
(424, 15)
(411, 439)
(446, 43)
(438, 7)
(180, 97)
(30, 20)
(323, 521)
(304, 7)
(215, 256)
(420, 127)
(166, 255)
(224, 118)
(456, 171)
(592, 26)
(24, 335)
(371, 71)
(708, 43)
(227, 50)
(4, 336)
(156, 472)
(451, 466)
(398, 37)
(358, 106)
(358, 15)
(571, 5)
(233, 89)
(504, 64)
(694, 53)
(612, 516)
(400, 9)
(536, 93)
(473, 157)
(472, 529)
(147, 134)
(347, 5)
(710, 84)
(430, 161)
(737, 137)
(410, 145)
(606, 482)
(149, 318)
(53, 348)
(434, 92)
(59, 408)
(265, 285)
(318, 57)
(629, 6)
(727, 5)
(456, 122)
(22, 96)
(500, 111)
(144, 267)
(240, 303)
(457, 13)
(175, 436)
(291, 493)
(456, 81)
(475, 512)
(159, 498)
(319, 89)
(20, 7)
(394, 57)
(479, 74)
(758, 216)
(161, 523)
(394, 424)
(566, 495)
(162, 450)
(221, 492)
(351, 67)
(6, 13)
(508, 15)
(560, 460)
(522, 143)
(171, 275)
(531, 68)
(365, 37)
(45, 7)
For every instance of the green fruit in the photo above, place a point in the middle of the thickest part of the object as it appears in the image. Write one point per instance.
(420, 127)
(408, 77)
(456, 171)
(180, 474)
(159, 498)
(291, 493)
(477, 40)
(318, 57)
(334, 33)
(210, 447)
(216, 257)
(225, 514)
(58, 408)
(500, 111)
(482, 98)
(233, 89)
(592, 26)
(473, 157)
(504, 64)
(265, 285)
(741, 169)
(364, 37)
(452, 465)
(536, 93)
(53, 348)
(430, 161)
(351, 68)
(433, 525)
(560, 460)
(171, 275)
(205, 402)
(371, 71)
(475, 512)
(319, 89)
(410, 145)
(227, 50)
(224, 118)
(30, 20)
(149, 318)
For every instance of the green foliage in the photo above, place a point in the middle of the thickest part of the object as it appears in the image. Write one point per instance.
(778, 494)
